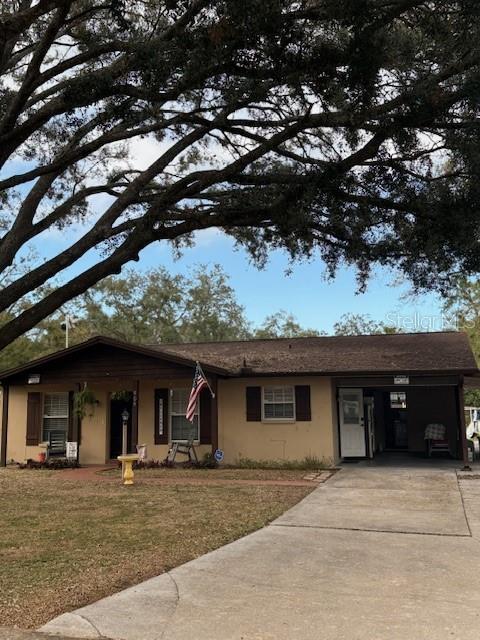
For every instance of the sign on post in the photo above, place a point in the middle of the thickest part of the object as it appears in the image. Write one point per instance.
(71, 450)
(218, 455)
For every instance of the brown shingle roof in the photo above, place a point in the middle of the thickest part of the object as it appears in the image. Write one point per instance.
(415, 352)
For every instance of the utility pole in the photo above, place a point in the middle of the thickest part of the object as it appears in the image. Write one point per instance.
(66, 325)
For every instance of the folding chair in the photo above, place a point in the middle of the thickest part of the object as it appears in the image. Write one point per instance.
(186, 448)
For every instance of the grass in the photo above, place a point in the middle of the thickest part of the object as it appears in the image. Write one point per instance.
(307, 463)
(222, 473)
(65, 543)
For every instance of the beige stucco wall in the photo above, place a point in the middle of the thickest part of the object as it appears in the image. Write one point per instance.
(237, 437)
(95, 443)
(275, 440)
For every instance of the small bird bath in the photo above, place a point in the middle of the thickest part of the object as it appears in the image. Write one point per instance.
(127, 461)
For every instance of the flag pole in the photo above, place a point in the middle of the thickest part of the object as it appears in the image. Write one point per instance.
(205, 378)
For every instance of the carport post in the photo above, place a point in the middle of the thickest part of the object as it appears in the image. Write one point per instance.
(463, 429)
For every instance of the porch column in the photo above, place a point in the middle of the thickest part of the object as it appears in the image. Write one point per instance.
(214, 415)
(4, 439)
(74, 427)
(135, 401)
(463, 431)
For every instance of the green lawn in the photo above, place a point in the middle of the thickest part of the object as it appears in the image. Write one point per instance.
(65, 543)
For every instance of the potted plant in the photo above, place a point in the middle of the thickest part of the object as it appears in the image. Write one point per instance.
(83, 398)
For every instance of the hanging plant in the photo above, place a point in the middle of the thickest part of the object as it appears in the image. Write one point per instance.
(123, 394)
(83, 398)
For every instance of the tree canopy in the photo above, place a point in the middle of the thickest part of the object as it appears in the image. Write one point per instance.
(461, 309)
(344, 129)
(153, 307)
(356, 324)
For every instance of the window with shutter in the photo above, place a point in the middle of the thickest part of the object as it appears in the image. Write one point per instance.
(278, 403)
(181, 428)
(55, 421)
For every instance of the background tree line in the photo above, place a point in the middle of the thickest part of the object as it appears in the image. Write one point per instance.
(154, 306)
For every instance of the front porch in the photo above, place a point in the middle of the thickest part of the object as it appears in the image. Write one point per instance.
(152, 389)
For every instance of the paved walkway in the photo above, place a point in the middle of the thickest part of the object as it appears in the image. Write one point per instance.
(377, 553)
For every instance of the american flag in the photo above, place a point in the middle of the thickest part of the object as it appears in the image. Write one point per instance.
(199, 382)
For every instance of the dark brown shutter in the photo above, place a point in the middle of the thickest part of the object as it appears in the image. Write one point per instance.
(161, 438)
(71, 427)
(205, 417)
(34, 418)
(302, 403)
(74, 421)
(254, 404)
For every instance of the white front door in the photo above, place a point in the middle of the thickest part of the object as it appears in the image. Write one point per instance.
(352, 428)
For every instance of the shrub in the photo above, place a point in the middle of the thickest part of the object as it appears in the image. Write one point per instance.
(52, 464)
(147, 464)
(207, 462)
(309, 462)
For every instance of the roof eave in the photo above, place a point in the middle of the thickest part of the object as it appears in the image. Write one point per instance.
(155, 353)
(359, 373)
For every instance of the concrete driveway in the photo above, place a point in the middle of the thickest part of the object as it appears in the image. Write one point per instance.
(377, 553)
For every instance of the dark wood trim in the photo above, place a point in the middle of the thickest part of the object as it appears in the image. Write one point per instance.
(76, 421)
(118, 344)
(303, 408)
(161, 394)
(253, 403)
(4, 439)
(214, 384)
(462, 426)
(335, 395)
(135, 405)
(34, 418)
(108, 430)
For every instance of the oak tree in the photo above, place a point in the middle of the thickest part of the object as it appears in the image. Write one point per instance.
(342, 129)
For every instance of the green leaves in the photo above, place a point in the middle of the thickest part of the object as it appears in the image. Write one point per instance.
(345, 129)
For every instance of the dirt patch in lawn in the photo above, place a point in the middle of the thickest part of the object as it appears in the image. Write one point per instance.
(64, 544)
(209, 475)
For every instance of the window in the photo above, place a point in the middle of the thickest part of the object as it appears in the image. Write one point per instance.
(278, 403)
(351, 407)
(398, 400)
(55, 421)
(182, 429)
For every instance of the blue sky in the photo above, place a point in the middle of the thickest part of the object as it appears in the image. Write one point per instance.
(304, 292)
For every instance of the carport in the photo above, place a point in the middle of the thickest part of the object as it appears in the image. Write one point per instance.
(394, 411)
